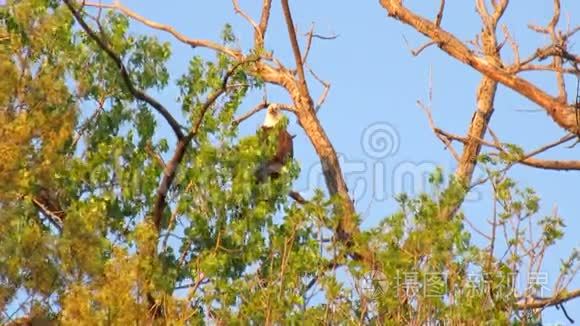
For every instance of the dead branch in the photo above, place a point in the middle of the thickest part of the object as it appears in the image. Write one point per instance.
(478, 126)
(249, 19)
(309, 37)
(437, 131)
(259, 107)
(261, 35)
(550, 67)
(557, 61)
(439, 16)
(561, 113)
(514, 45)
(324, 94)
(417, 51)
(526, 159)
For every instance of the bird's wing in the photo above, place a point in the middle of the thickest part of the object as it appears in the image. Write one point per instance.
(285, 150)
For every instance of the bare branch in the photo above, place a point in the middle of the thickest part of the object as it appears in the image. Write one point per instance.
(478, 231)
(526, 159)
(324, 94)
(294, 42)
(417, 51)
(557, 165)
(266, 7)
(478, 126)
(437, 131)
(439, 16)
(561, 113)
(513, 44)
(550, 67)
(325, 37)
(249, 19)
(309, 37)
(84, 126)
(550, 146)
(259, 107)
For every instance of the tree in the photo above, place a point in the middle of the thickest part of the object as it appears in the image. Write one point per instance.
(107, 219)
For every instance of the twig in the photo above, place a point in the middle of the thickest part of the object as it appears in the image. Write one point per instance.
(259, 107)
(311, 35)
(81, 130)
(249, 19)
(438, 132)
(416, 52)
(439, 16)
(158, 159)
(324, 94)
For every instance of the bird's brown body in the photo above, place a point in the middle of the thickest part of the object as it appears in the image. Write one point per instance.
(284, 150)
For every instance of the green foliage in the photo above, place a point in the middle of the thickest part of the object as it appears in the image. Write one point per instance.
(82, 161)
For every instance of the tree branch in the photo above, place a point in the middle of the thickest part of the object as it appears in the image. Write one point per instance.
(538, 303)
(439, 16)
(265, 17)
(137, 93)
(527, 159)
(294, 42)
(116, 5)
(325, 90)
(242, 13)
(561, 113)
(306, 114)
(171, 167)
(259, 107)
(55, 218)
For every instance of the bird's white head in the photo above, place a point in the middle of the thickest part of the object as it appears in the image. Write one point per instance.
(273, 116)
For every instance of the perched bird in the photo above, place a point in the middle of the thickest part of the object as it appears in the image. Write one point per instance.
(284, 147)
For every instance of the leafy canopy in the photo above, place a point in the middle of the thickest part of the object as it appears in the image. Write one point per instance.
(82, 161)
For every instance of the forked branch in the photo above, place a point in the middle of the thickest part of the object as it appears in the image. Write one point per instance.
(562, 113)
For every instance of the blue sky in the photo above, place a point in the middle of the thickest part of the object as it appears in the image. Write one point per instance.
(376, 83)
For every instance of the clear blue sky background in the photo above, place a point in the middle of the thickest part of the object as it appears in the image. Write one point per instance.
(375, 79)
